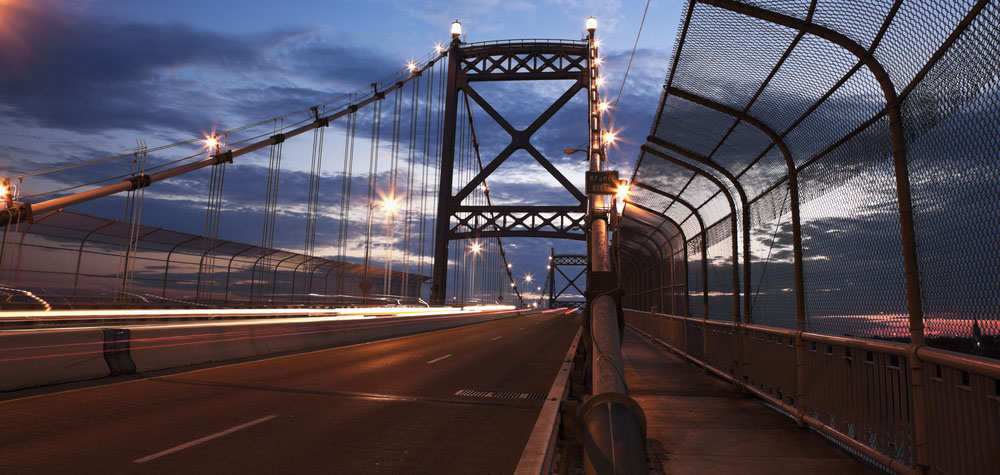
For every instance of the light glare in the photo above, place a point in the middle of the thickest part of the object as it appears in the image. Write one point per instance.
(390, 204)
(622, 191)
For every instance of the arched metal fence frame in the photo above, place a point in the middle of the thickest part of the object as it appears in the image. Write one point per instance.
(823, 145)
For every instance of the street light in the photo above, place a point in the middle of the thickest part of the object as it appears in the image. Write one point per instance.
(211, 143)
(474, 249)
(390, 205)
(591, 24)
(456, 29)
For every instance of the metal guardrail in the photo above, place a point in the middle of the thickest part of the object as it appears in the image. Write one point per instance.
(855, 391)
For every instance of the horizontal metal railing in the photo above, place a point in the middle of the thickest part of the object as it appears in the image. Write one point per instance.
(855, 391)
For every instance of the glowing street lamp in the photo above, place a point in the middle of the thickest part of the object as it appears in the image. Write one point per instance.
(411, 66)
(621, 195)
(599, 81)
(609, 137)
(602, 106)
(591, 24)
(475, 248)
(212, 144)
(390, 205)
(622, 190)
(456, 29)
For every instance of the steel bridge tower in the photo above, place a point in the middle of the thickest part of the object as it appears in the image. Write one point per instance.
(515, 60)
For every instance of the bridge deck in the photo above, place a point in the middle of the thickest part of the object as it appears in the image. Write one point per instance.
(698, 424)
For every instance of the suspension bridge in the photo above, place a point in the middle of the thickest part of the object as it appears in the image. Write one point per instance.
(799, 274)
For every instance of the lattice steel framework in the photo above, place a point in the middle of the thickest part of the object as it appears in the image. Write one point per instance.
(832, 168)
(515, 60)
(559, 265)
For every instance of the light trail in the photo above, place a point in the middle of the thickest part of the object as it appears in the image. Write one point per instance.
(274, 312)
(213, 337)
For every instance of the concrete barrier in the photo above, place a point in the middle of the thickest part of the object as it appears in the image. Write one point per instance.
(38, 358)
(163, 347)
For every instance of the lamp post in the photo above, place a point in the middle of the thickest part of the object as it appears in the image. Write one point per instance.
(474, 249)
(390, 206)
(527, 285)
(612, 436)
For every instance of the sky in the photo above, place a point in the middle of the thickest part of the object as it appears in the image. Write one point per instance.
(85, 79)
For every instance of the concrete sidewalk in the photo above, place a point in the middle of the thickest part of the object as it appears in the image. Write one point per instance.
(698, 424)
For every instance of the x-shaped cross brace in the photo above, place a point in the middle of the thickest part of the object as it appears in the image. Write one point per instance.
(521, 140)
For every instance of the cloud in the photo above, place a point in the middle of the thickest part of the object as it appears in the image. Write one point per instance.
(83, 74)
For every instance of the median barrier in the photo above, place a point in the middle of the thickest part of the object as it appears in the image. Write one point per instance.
(163, 347)
(45, 357)
(38, 358)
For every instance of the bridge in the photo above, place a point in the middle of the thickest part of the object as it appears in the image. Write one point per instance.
(798, 274)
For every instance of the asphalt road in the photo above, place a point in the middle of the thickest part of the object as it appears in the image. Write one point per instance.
(381, 407)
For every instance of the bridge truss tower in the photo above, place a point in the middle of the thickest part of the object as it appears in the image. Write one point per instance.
(515, 60)
(572, 268)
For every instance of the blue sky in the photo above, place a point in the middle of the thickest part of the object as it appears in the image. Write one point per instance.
(86, 78)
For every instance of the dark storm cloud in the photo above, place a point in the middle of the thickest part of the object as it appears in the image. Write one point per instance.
(89, 75)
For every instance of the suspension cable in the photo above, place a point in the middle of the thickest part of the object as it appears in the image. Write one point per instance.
(632, 56)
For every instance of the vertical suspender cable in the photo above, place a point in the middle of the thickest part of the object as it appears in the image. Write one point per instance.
(345, 192)
(315, 171)
(437, 147)
(372, 182)
(422, 217)
(414, 116)
(270, 208)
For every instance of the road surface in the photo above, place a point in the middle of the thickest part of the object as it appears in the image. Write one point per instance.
(394, 406)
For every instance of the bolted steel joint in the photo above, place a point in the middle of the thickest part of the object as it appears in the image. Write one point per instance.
(139, 181)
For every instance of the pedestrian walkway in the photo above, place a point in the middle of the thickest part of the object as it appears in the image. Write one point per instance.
(699, 424)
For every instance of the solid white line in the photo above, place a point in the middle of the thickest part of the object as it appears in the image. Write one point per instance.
(435, 360)
(205, 439)
(496, 338)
